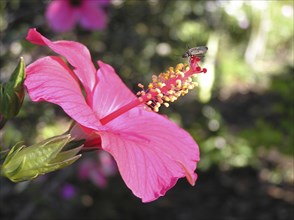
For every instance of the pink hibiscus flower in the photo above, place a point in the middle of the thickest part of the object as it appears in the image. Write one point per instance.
(151, 152)
(62, 15)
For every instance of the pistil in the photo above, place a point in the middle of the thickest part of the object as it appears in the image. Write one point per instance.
(167, 87)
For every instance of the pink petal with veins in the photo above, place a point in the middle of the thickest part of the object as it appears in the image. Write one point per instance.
(151, 152)
(110, 93)
(76, 54)
(49, 79)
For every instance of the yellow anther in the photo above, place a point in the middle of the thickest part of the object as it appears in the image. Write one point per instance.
(185, 85)
(149, 96)
(160, 95)
(160, 84)
(170, 92)
(167, 99)
(166, 76)
(157, 90)
(178, 94)
(140, 85)
(149, 102)
(173, 99)
(185, 92)
(191, 86)
(179, 83)
(179, 67)
(171, 69)
(181, 74)
(166, 104)
(140, 99)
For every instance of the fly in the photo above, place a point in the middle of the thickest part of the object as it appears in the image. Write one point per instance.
(196, 52)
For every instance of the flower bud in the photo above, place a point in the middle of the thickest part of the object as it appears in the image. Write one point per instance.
(12, 94)
(26, 163)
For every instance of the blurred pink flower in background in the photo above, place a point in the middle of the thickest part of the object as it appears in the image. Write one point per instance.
(62, 15)
(98, 169)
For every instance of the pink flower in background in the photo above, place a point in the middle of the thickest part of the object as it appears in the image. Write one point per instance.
(98, 170)
(151, 152)
(62, 15)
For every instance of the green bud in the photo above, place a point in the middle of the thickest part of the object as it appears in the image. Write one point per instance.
(12, 94)
(26, 163)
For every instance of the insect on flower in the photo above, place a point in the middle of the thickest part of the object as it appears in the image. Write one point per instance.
(196, 52)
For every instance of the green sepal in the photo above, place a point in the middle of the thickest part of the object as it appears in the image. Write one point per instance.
(16, 148)
(26, 163)
(65, 155)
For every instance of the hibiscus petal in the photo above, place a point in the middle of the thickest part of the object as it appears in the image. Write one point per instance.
(92, 17)
(151, 152)
(92, 138)
(76, 54)
(60, 16)
(110, 93)
(49, 79)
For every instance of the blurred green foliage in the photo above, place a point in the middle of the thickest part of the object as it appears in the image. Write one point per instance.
(247, 104)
